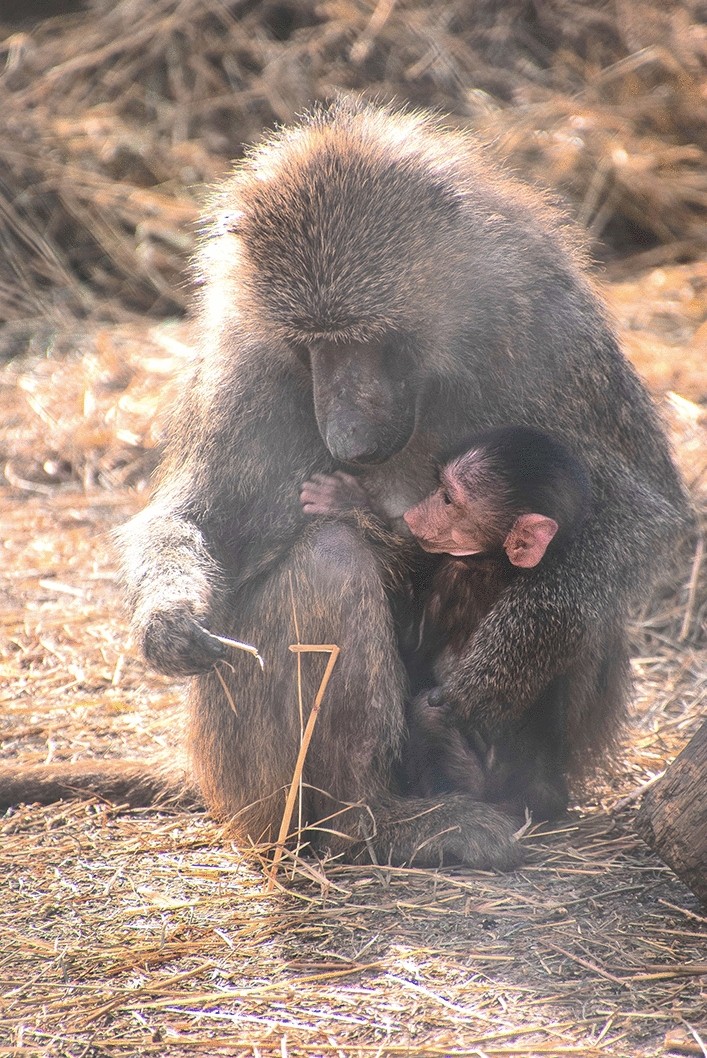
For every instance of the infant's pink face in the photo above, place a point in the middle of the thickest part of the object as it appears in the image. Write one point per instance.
(447, 521)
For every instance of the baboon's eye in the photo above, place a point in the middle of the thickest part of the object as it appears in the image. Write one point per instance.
(446, 497)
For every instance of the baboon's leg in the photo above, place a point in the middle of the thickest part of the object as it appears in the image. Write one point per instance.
(245, 761)
(332, 591)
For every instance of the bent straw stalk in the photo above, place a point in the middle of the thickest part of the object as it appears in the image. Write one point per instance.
(302, 648)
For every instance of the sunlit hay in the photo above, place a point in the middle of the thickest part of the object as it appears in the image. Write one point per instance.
(113, 120)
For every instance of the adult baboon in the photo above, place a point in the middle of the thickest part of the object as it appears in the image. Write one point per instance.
(372, 293)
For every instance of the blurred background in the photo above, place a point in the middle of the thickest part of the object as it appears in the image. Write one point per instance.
(113, 115)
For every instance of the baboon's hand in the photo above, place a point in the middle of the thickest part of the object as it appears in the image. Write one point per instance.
(336, 493)
(481, 717)
(432, 712)
(175, 643)
(437, 698)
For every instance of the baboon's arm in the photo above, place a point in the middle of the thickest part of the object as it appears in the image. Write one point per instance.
(547, 619)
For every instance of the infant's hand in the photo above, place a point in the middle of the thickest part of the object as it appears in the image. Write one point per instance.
(335, 494)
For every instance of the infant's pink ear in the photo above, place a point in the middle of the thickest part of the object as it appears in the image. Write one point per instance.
(527, 541)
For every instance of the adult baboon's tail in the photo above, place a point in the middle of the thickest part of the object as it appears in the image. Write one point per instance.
(137, 784)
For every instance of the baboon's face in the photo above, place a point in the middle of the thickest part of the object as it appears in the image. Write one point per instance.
(364, 398)
(444, 527)
(467, 513)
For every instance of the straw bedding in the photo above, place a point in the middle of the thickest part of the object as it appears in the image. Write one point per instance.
(129, 933)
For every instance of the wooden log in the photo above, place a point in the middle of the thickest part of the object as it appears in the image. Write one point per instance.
(672, 818)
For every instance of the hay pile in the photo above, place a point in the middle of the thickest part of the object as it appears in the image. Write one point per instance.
(111, 121)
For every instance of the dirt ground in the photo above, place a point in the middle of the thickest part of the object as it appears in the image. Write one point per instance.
(126, 933)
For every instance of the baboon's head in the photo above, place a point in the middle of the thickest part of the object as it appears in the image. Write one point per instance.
(347, 234)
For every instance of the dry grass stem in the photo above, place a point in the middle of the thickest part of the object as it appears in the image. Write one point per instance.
(236, 644)
(302, 648)
(693, 589)
(227, 691)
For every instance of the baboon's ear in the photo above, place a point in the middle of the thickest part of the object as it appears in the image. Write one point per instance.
(527, 541)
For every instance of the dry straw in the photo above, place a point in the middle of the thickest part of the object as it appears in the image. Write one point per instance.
(145, 933)
(296, 785)
(113, 120)
(125, 933)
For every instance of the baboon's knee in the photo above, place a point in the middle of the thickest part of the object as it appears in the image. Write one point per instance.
(342, 558)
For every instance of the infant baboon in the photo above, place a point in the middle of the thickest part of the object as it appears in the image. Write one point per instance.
(502, 501)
